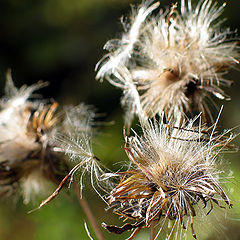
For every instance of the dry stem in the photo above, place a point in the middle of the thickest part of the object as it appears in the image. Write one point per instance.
(152, 231)
(88, 212)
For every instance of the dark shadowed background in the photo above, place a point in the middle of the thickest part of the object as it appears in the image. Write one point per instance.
(60, 41)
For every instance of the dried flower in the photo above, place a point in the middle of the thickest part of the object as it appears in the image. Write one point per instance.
(172, 61)
(173, 171)
(28, 163)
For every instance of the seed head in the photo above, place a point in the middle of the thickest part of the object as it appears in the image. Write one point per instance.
(172, 61)
(173, 172)
(28, 162)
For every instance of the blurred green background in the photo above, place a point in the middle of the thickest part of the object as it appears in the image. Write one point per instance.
(60, 41)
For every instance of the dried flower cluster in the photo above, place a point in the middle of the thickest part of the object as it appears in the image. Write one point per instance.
(171, 61)
(168, 64)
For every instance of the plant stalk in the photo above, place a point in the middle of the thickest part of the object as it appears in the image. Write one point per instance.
(152, 231)
(88, 212)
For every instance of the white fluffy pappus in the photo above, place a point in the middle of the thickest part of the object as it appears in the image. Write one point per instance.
(174, 176)
(171, 61)
(16, 141)
(76, 142)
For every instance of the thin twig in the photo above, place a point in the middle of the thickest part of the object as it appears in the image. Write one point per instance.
(88, 212)
(59, 188)
(53, 195)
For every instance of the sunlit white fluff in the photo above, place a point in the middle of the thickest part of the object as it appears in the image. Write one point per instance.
(34, 140)
(174, 62)
(14, 116)
(16, 100)
(116, 62)
(121, 50)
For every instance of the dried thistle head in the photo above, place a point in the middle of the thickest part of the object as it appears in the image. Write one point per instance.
(173, 175)
(27, 159)
(172, 61)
